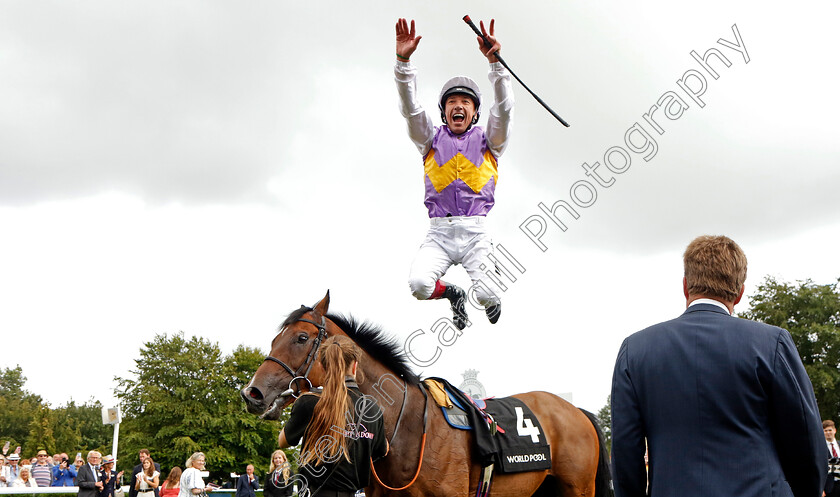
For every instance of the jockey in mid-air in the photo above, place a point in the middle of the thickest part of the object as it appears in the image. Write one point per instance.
(461, 172)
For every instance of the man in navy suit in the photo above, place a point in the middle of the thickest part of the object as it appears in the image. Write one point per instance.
(724, 403)
(247, 484)
(88, 479)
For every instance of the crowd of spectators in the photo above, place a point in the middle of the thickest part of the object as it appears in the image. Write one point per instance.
(97, 477)
(42, 470)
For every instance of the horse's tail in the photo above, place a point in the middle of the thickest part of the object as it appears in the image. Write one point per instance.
(603, 478)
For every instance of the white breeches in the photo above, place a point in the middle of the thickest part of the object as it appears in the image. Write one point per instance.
(450, 241)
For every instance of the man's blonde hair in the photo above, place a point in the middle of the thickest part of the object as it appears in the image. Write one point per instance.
(716, 267)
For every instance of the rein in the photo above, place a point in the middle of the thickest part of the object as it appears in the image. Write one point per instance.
(422, 441)
(402, 409)
(308, 363)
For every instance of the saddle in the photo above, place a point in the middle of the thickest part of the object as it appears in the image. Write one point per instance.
(507, 433)
(454, 410)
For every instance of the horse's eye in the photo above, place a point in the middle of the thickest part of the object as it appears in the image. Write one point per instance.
(303, 338)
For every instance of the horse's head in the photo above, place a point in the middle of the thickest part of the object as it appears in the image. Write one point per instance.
(292, 366)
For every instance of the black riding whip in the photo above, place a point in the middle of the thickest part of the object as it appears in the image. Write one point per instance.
(488, 45)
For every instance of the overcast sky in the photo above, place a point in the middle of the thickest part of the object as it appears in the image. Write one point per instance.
(210, 166)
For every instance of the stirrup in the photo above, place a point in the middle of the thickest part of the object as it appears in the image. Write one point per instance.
(484, 480)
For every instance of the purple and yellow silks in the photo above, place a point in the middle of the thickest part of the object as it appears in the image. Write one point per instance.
(461, 174)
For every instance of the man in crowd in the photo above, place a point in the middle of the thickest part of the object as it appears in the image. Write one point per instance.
(12, 471)
(88, 479)
(41, 470)
(247, 484)
(143, 454)
(832, 481)
(724, 403)
(64, 474)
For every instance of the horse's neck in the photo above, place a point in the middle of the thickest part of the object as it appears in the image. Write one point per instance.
(386, 387)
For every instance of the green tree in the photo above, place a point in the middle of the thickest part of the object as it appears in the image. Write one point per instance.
(18, 408)
(41, 431)
(79, 428)
(184, 397)
(811, 313)
(27, 421)
(605, 420)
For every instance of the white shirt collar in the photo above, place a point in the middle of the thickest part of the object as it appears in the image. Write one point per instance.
(710, 301)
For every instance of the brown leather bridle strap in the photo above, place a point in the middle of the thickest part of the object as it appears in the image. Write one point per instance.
(309, 362)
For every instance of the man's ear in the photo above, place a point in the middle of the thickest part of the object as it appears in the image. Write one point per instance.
(740, 294)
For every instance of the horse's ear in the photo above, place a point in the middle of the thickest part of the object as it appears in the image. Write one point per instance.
(323, 305)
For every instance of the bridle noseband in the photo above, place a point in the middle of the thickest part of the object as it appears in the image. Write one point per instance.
(308, 363)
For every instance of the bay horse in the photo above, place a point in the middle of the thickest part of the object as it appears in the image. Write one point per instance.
(427, 456)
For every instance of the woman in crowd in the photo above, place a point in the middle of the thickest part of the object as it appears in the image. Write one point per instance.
(277, 482)
(25, 479)
(3, 470)
(78, 463)
(172, 486)
(191, 482)
(110, 479)
(148, 479)
(64, 474)
(342, 468)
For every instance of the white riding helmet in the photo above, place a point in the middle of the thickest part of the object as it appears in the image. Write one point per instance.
(460, 85)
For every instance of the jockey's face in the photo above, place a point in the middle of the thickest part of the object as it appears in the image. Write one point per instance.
(459, 111)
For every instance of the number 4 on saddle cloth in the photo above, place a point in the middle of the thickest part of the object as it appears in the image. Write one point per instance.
(507, 432)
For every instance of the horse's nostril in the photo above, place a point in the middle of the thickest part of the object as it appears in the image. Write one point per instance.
(254, 393)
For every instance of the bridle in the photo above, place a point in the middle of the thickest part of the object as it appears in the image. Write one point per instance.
(308, 363)
(322, 334)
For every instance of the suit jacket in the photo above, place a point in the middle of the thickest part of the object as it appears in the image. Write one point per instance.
(86, 482)
(725, 405)
(108, 488)
(245, 487)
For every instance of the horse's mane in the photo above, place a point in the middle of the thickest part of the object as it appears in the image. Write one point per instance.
(370, 337)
